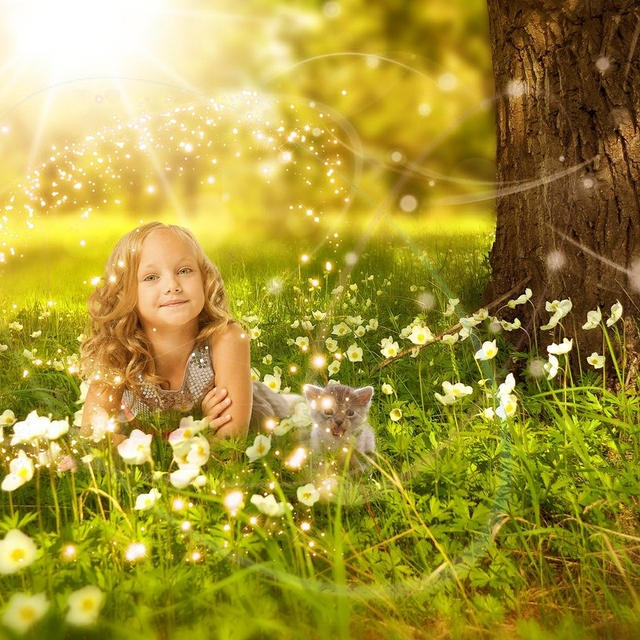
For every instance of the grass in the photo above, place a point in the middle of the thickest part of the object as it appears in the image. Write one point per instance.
(465, 527)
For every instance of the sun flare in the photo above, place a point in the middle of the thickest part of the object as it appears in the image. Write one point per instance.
(80, 35)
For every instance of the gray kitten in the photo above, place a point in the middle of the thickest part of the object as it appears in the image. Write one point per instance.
(339, 417)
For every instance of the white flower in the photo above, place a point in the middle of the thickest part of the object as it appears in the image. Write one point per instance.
(453, 392)
(395, 415)
(57, 428)
(512, 304)
(616, 313)
(560, 309)
(136, 449)
(334, 367)
(508, 406)
(24, 610)
(187, 429)
(184, 475)
(319, 315)
(389, 348)
(488, 351)
(360, 331)
(255, 333)
(354, 353)
(84, 606)
(259, 448)
(450, 338)
(198, 451)
(507, 386)
(451, 306)
(593, 319)
(331, 344)
(20, 472)
(146, 500)
(307, 325)
(29, 355)
(273, 382)
(32, 428)
(17, 551)
(488, 413)
(354, 320)
(341, 329)
(595, 360)
(268, 359)
(469, 322)
(372, 325)
(558, 349)
(387, 389)
(4, 347)
(308, 494)
(269, 506)
(551, 367)
(15, 326)
(420, 335)
(303, 343)
(7, 418)
(510, 326)
(101, 425)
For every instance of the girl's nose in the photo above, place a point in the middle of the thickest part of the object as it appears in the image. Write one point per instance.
(172, 285)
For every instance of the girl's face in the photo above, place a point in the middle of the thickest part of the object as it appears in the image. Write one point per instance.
(170, 287)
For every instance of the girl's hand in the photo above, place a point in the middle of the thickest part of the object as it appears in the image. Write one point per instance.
(214, 405)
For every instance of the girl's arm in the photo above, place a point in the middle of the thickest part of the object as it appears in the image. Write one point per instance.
(101, 400)
(232, 361)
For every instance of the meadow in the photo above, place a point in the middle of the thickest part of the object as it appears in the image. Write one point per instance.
(496, 506)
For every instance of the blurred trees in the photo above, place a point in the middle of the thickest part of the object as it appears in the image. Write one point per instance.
(400, 85)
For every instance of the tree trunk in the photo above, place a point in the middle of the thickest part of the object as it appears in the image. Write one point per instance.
(567, 78)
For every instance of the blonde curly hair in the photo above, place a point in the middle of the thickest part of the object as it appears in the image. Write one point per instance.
(117, 350)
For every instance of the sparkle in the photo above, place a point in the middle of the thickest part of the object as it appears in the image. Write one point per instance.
(408, 203)
(556, 260)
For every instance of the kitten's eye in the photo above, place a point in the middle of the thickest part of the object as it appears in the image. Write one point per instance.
(350, 413)
(328, 412)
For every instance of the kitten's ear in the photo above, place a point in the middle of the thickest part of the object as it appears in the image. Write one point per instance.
(364, 395)
(311, 392)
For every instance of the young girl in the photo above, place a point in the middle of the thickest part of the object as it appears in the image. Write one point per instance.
(162, 337)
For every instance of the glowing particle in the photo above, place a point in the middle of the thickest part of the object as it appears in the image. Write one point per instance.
(83, 243)
(178, 504)
(304, 258)
(318, 361)
(396, 156)
(426, 300)
(331, 9)
(69, 552)
(305, 526)
(351, 258)
(408, 203)
(293, 368)
(424, 109)
(447, 81)
(186, 525)
(328, 266)
(151, 189)
(602, 64)
(233, 501)
(588, 182)
(556, 260)
(297, 458)
(95, 281)
(516, 88)
(135, 551)
(4, 129)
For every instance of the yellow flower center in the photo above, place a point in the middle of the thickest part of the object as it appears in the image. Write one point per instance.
(18, 555)
(23, 473)
(87, 604)
(28, 613)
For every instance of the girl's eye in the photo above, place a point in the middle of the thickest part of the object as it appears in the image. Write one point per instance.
(351, 413)
(149, 277)
(185, 270)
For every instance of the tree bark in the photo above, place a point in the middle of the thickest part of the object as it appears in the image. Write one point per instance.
(567, 77)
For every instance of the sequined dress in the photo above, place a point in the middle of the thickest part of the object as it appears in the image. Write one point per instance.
(199, 379)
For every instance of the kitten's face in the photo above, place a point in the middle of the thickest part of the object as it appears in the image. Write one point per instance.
(338, 409)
